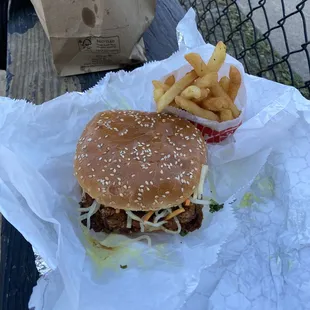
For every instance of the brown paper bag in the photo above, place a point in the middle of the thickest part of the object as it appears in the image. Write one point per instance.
(95, 35)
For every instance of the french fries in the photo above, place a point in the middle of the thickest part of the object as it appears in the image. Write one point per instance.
(193, 108)
(175, 90)
(226, 115)
(217, 58)
(200, 92)
(224, 83)
(207, 81)
(170, 80)
(235, 82)
(191, 92)
(204, 94)
(159, 84)
(215, 104)
(157, 93)
(197, 63)
(218, 91)
(234, 110)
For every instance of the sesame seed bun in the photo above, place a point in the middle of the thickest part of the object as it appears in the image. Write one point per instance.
(139, 161)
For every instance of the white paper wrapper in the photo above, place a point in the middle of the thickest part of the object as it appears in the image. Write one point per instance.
(39, 194)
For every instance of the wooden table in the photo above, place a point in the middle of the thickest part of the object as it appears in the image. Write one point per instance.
(30, 75)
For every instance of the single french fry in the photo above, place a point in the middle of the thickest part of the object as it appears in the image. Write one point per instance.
(218, 57)
(170, 80)
(218, 91)
(191, 92)
(224, 83)
(197, 63)
(204, 95)
(235, 111)
(157, 93)
(207, 80)
(226, 115)
(193, 108)
(215, 104)
(235, 82)
(175, 90)
(159, 84)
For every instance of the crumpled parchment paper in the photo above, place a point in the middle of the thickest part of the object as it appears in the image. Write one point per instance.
(261, 173)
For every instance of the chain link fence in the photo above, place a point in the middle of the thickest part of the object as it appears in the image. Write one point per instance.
(270, 37)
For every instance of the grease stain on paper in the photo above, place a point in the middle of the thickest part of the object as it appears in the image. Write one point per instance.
(88, 17)
(112, 252)
(263, 187)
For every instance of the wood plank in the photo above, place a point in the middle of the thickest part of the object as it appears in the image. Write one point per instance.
(3, 32)
(30, 75)
(17, 269)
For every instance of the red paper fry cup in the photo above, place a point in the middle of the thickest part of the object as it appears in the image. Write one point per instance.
(212, 131)
(213, 136)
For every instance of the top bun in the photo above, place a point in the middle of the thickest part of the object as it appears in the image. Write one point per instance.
(139, 161)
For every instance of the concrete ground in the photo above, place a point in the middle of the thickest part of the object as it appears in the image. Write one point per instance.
(293, 27)
(2, 83)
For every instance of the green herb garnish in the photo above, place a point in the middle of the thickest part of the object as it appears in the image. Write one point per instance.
(214, 206)
(183, 233)
(123, 266)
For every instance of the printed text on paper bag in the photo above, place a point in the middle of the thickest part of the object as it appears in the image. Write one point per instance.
(102, 45)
